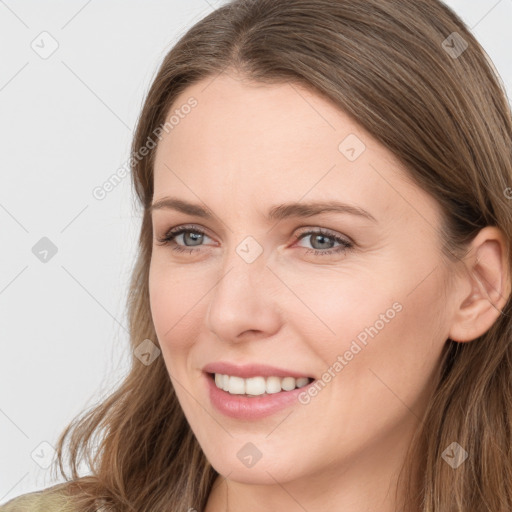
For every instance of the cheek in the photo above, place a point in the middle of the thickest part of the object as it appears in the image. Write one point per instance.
(336, 308)
(400, 345)
(380, 322)
(178, 302)
(171, 302)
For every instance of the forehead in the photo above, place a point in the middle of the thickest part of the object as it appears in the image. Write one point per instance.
(244, 142)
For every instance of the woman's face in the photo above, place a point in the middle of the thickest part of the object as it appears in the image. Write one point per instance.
(253, 290)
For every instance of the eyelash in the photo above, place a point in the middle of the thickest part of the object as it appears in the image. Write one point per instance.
(169, 238)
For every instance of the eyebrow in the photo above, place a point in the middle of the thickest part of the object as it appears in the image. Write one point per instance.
(277, 212)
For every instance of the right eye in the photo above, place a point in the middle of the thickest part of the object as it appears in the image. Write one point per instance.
(172, 235)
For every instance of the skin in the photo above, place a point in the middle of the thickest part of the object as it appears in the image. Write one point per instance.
(247, 147)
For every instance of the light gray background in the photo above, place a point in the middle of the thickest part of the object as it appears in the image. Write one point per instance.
(66, 123)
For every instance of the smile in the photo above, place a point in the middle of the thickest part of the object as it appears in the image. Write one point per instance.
(258, 386)
(253, 391)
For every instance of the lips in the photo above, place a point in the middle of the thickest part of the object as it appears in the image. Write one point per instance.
(245, 407)
(252, 370)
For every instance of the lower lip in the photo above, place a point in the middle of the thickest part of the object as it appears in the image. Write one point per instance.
(251, 408)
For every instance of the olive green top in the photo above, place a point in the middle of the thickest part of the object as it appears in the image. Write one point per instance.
(38, 501)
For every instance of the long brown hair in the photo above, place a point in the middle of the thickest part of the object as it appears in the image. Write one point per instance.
(402, 70)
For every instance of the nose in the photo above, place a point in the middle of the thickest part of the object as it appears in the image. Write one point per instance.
(244, 302)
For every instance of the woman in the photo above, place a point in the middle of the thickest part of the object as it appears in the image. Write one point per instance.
(271, 372)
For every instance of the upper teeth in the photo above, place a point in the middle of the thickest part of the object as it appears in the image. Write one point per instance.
(258, 385)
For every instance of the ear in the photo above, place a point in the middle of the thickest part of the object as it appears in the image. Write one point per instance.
(485, 288)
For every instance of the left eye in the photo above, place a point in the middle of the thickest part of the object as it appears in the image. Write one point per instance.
(196, 236)
(319, 237)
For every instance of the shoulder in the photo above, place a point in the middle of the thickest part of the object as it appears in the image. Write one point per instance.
(47, 500)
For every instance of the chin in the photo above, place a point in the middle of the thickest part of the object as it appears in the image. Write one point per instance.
(263, 471)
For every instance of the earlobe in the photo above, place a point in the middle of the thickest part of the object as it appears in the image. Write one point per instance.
(489, 284)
